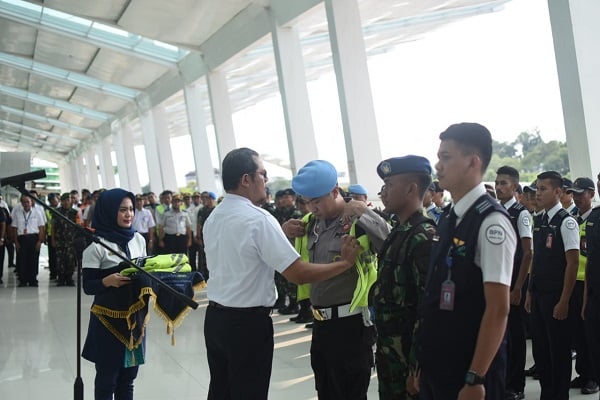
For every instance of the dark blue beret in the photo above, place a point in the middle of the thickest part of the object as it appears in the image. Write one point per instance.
(403, 165)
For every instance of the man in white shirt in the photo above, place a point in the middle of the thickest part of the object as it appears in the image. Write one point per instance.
(29, 227)
(244, 244)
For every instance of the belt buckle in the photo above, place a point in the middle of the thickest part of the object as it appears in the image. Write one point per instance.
(320, 315)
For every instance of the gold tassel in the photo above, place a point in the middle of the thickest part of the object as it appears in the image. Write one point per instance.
(173, 337)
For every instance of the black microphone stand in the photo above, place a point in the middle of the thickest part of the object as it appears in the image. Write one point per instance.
(78, 386)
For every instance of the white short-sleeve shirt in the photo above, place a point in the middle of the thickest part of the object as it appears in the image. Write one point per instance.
(496, 240)
(96, 256)
(244, 244)
(569, 229)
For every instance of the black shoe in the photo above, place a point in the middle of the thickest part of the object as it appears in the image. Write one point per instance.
(303, 319)
(1, 281)
(530, 371)
(70, 283)
(577, 383)
(309, 326)
(22, 284)
(278, 304)
(288, 310)
(510, 395)
(590, 387)
(61, 283)
(293, 319)
(33, 285)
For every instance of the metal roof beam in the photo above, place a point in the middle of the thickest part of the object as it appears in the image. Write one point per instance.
(97, 34)
(35, 117)
(50, 102)
(69, 77)
(39, 131)
(34, 142)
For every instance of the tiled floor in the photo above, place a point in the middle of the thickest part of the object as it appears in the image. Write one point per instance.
(38, 355)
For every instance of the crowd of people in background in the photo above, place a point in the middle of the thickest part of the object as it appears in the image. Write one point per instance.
(504, 262)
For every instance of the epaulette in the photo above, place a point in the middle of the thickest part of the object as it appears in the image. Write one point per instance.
(562, 213)
(518, 206)
(483, 205)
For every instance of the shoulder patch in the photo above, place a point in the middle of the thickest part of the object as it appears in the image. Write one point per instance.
(526, 221)
(495, 234)
(571, 224)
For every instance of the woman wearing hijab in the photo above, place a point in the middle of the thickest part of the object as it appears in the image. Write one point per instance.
(117, 355)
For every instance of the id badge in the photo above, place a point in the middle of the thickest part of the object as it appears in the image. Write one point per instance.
(447, 296)
(549, 241)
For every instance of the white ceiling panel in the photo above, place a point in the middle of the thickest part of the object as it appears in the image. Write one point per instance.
(12, 77)
(50, 87)
(16, 38)
(180, 22)
(94, 9)
(123, 70)
(88, 98)
(62, 52)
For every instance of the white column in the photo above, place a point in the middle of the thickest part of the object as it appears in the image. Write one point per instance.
(151, 147)
(128, 175)
(163, 140)
(221, 112)
(294, 95)
(107, 172)
(194, 103)
(354, 90)
(76, 174)
(92, 168)
(576, 34)
(64, 177)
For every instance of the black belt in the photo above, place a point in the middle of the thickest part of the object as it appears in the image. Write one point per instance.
(261, 310)
(175, 234)
(29, 234)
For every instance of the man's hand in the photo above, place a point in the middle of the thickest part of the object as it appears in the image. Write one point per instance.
(352, 210)
(528, 302)
(475, 392)
(515, 297)
(294, 228)
(561, 310)
(350, 249)
(412, 382)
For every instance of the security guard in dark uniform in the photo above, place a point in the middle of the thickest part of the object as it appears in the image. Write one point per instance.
(555, 263)
(403, 264)
(506, 184)
(583, 192)
(591, 305)
(465, 307)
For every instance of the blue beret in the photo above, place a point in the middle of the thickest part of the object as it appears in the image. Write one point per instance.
(315, 179)
(212, 195)
(357, 189)
(403, 165)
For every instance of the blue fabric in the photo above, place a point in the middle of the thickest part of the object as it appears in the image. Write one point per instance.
(104, 220)
(315, 179)
(357, 189)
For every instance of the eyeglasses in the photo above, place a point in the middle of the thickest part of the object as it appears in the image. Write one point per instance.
(262, 173)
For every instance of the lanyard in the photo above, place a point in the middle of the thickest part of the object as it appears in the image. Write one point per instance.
(26, 218)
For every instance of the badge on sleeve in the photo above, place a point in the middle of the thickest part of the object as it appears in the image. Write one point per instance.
(447, 296)
(495, 234)
(526, 221)
(571, 224)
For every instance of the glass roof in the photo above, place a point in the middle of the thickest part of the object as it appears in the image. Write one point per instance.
(91, 30)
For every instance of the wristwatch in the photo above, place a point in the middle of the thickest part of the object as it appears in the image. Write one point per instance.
(472, 378)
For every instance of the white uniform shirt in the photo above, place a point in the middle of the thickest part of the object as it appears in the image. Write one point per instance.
(524, 221)
(496, 241)
(142, 220)
(569, 229)
(30, 221)
(243, 245)
(96, 256)
(192, 211)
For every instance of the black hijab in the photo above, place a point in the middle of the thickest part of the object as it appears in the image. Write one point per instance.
(104, 220)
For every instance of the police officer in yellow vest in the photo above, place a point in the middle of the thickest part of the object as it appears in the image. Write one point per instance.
(583, 190)
(343, 335)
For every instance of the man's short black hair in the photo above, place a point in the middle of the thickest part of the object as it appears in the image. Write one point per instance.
(236, 164)
(554, 177)
(510, 171)
(473, 138)
(423, 182)
(166, 192)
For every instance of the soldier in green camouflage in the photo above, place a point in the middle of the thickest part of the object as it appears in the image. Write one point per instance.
(62, 240)
(403, 264)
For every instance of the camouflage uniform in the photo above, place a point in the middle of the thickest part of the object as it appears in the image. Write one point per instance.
(285, 287)
(403, 264)
(64, 234)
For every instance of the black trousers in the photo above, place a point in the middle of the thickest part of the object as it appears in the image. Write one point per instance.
(174, 244)
(517, 349)
(444, 381)
(52, 264)
(118, 381)
(552, 341)
(341, 356)
(583, 363)
(193, 251)
(239, 348)
(592, 327)
(28, 258)
(2, 252)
